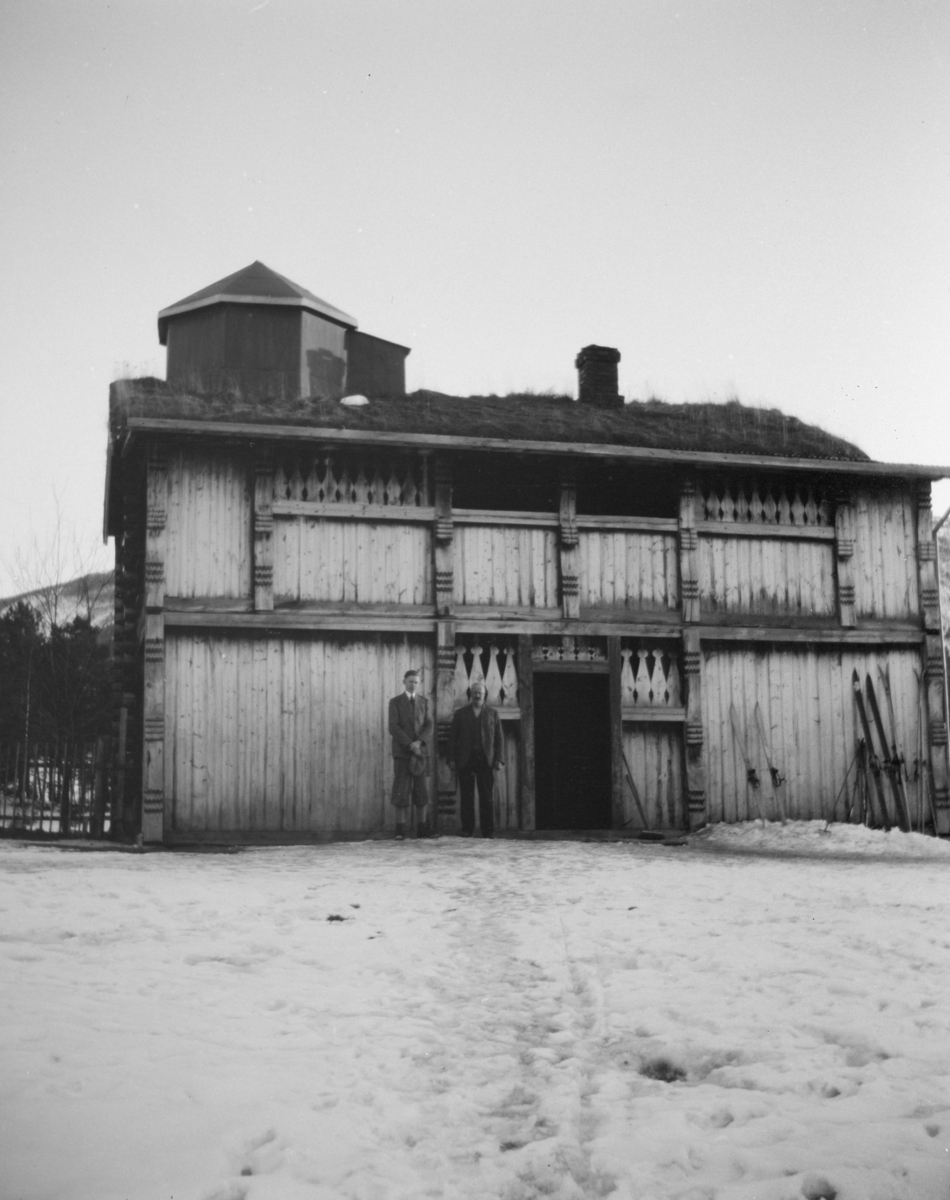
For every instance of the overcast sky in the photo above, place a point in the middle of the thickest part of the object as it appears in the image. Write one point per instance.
(747, 199)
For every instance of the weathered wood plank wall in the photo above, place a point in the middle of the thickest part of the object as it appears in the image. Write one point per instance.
(758, 575)
(655, 757)
(507, 784)
(885, 554)
(506, 566)
(636, 572)
(806, 703)
(208, 526)
(358, 562)
(282, 735)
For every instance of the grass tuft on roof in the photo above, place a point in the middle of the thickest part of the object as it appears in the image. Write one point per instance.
(729, 427)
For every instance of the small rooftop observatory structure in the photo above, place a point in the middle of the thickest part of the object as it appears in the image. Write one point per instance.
(258, 335)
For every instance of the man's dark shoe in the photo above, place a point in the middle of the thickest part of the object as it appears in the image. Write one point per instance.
(425, 832)
(465, 833)
(400, 833)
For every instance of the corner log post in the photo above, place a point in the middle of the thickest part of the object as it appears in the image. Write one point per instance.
(526, 809)
(694, 767)
(443, 543)
(263, 581)
(124, 649)
(615, 663)
(129, 636)
(569, 541)
(689, 552)
(153, 702)
(933, 658)
(844, 558)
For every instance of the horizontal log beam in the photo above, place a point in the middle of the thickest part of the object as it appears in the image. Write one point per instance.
(404, 513)
(278, 622)
(574, 628)
(804, 533)
(609, 614)
(440, 441)
(217, 604)
(868, 636)
(656, 525)
(494, 516)
(569, 667)
(767, 620)
(491, 516)
(498, 612)
(223, 614)
(634, 714)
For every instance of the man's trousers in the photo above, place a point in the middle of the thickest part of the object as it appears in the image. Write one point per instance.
(406, 785)
(484, 776)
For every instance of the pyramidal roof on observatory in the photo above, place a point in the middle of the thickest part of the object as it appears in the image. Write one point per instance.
(256, 284)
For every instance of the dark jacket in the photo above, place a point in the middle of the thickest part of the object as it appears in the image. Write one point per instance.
(402, 727)
(466, 732)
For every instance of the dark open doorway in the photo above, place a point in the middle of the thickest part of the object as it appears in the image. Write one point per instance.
(572, 751)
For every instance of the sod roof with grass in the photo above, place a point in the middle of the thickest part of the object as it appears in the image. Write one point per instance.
(729, 427)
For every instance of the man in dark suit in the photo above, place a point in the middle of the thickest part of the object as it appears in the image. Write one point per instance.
(410, 725)
(476, 749)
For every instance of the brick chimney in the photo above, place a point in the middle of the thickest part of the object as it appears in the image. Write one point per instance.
(597, 376)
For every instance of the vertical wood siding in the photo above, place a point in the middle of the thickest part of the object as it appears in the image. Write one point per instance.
(507, 786)
(806, 703)
(506, 566)
(885, 554)
(763, 576)
(208, 526)
(632, 571)
(354, 561)
(655, 755)
(283, 735)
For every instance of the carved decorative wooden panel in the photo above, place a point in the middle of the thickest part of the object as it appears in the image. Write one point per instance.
(767, 502)
(569, 650)
(333, 477)
(650, 677)
(491, 661)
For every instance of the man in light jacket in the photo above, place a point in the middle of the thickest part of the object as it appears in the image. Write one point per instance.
(410, 726)
(476, 750)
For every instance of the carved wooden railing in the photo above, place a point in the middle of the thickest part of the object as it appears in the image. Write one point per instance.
(766, 503)
(495, 665)
(329, 477)
(650, 683)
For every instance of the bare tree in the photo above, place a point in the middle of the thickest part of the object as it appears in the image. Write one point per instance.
(56, 665)
(57, 574)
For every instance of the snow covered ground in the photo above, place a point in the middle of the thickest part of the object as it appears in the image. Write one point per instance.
(760, 1014)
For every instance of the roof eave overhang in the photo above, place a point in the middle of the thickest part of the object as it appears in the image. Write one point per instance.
(327, 311)
(386, 342)
(241, 431)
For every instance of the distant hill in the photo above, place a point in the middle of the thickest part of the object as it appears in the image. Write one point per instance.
(88, 595)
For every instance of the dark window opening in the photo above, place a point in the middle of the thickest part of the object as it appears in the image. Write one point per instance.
(623, 490)
(506, 482)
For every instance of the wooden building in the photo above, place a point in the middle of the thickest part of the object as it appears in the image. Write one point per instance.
(622, 577)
